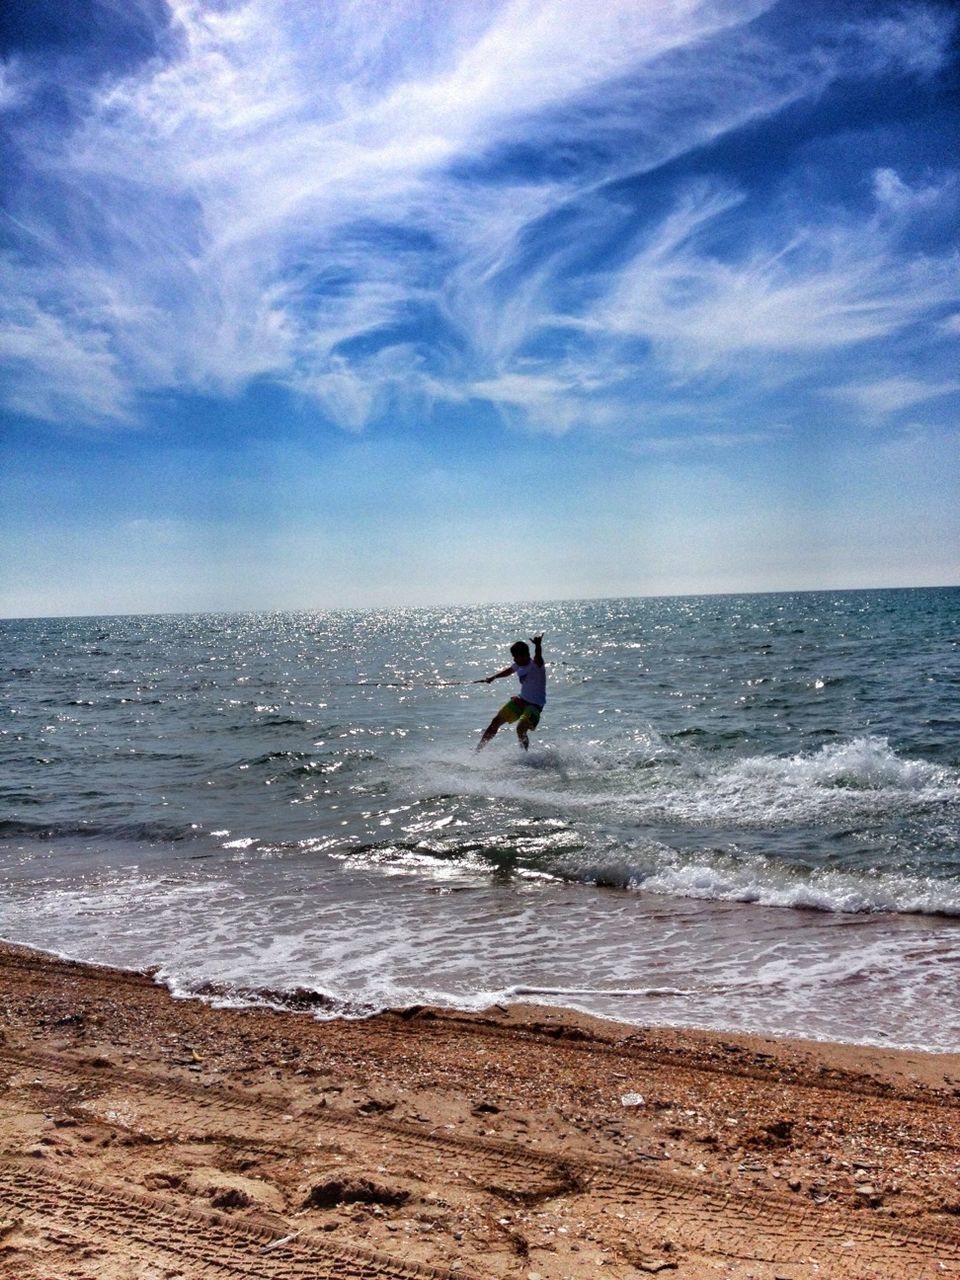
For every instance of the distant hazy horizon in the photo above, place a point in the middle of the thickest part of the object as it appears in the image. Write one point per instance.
(525, 605)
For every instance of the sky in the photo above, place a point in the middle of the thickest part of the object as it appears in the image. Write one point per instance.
(389, 302)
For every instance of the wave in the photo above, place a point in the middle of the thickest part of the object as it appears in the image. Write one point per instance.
(646, 780)
(302, 764)
(652, 867)
(378, 996)
(227, 995)
(267, 719)
(771, 882)
(14, 828)
(863, 764)
(864, 777)
(828, 829)
(629, 993)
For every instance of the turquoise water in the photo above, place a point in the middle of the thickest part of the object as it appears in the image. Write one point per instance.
(738, 811)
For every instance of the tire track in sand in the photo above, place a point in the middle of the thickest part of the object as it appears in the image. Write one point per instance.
(164, 1231)
(636, 1203)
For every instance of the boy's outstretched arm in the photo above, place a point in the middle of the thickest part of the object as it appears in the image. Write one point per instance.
(507, 671)
(537, 653)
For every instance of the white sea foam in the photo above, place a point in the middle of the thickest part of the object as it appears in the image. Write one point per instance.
(776, 885)
(856, 782)
(862, 777)
(271, 933)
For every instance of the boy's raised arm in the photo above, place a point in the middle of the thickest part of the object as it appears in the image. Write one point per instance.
(537, 653)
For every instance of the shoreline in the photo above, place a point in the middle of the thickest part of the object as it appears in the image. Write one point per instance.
(880, 1010)
(531, 1141)
(307, 1002)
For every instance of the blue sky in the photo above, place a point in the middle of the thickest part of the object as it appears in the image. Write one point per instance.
(408, 303)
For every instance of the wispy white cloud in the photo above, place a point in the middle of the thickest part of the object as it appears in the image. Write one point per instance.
(825, 286)
(327, 198)
(13, 90)
(552, 402)
(891, 395)
(916, 39)
(796, 294)
(59, 364)
(903, 198)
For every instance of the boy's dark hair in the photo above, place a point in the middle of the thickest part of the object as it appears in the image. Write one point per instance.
(520, 652)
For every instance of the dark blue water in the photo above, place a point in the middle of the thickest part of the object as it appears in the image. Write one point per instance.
(739, 810)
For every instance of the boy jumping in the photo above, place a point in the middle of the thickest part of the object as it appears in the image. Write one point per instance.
(525, 707)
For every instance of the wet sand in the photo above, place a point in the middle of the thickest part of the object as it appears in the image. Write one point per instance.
(162, 1139)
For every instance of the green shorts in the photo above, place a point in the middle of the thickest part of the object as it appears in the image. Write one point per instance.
(517, 709)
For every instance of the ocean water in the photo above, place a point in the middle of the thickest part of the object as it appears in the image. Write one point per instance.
(738, 812)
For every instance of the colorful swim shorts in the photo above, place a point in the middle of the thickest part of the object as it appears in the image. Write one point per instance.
(517, 709)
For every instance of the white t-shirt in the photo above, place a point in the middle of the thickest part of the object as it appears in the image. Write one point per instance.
(533, 683)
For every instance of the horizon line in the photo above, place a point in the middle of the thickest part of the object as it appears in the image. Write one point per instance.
(480, 604)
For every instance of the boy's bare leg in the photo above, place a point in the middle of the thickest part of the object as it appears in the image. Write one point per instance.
(522, 735)
(490, 731)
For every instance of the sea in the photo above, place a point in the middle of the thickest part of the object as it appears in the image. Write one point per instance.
(739, 812)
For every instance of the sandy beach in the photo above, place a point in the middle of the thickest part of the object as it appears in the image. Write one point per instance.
(148, 1137)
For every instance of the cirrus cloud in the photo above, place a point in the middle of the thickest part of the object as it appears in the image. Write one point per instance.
(383, 204)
